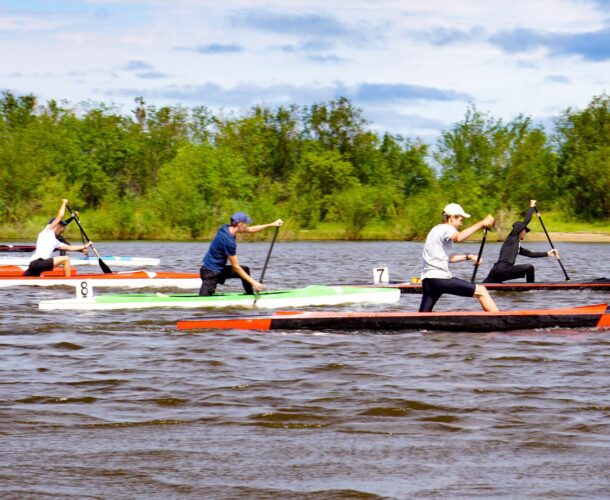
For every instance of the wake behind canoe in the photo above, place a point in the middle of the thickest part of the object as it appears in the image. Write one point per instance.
(315, 295)
(375, 322)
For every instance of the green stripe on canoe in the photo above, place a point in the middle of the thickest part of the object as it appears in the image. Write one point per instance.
(309, 291)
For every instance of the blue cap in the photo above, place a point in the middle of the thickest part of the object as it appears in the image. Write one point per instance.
(61, 222)
(241, 217)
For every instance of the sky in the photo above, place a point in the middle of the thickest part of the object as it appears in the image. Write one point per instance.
(413, 67)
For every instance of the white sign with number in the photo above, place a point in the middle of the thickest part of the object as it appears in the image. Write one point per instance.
(381, 275)
(84, 290)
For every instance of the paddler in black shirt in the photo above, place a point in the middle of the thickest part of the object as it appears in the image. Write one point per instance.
(505, 269)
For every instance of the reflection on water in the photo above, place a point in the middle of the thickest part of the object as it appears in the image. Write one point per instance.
(120, 404)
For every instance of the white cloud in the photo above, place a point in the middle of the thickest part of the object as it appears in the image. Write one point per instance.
(25, 24)
(377, 52)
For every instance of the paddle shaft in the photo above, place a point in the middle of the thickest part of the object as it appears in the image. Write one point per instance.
(103, 265)
(476, 264)
(551, 243)
(277, 228)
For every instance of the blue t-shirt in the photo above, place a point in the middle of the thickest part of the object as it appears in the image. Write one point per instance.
(222, 247)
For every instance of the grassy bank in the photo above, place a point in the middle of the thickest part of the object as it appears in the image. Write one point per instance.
(557, 225)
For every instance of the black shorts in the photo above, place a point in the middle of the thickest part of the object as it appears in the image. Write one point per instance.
(433, 288)
(39, 266)
(209, 280)
(502, 273)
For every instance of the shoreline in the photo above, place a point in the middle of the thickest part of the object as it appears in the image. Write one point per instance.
(576, 237)
(560, 236)
(557, 236)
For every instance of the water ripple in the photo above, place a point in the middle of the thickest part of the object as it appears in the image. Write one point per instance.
(122, 405)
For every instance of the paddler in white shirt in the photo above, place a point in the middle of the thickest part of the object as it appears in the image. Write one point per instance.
(42, 260)
(436, 277)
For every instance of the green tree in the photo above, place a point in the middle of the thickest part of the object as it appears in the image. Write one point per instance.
(335, 125)
(154, 139)
(200, 187)
(318, 175)
(530, 170)
(408, 165)
(338, 125)
(488, 165)
(471, 155)
(357, 206)
(268, 141)
(583, 171)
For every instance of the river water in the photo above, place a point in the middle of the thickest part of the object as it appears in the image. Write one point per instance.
(119, 404)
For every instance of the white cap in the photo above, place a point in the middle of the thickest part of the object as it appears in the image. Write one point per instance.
(455, 209)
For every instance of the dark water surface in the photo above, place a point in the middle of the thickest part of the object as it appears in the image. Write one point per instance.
(119, 404)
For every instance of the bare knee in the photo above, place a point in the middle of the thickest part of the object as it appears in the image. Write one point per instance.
(61, 260)
(64, 261)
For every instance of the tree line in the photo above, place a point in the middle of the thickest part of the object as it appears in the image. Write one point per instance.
(174, 172)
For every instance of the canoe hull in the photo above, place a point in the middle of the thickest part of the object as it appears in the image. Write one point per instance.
(111, 260)
(577, 317)
(17, 248)
(601, 284)
(302, 297)
(130, 279)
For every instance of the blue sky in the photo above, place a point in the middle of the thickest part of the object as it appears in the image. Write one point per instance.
(413, 67)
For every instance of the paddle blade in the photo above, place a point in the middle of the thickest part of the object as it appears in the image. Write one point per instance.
(104, 267)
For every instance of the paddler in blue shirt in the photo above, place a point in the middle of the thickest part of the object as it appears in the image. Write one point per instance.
(436, 277)
(224, 247)
(505, 269)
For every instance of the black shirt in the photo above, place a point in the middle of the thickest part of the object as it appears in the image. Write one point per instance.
(511, 247)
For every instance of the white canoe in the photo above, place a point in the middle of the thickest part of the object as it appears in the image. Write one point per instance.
(111, 260)
(315, 295)
(13, 276)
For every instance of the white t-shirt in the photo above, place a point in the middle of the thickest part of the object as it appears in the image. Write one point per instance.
(46, 244)
(436, 252)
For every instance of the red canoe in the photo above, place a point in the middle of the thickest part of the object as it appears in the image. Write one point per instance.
(477, 321)
(13, 276)
(599, 284)
(17, 248)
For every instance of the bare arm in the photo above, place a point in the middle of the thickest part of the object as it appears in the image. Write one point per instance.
(464, 257)
(260, 227)
(75, 248)
(243, 274)
(469, 231)
(60, 213)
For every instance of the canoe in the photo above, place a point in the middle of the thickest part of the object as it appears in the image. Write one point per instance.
(13, 276)
(17, 248)
(477, 321)
(599, 284)
(111, 260)
(315, 295)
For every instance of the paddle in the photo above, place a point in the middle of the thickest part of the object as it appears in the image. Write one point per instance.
(551, 243)
(476, 264)
(103, 265)
(277, 228)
